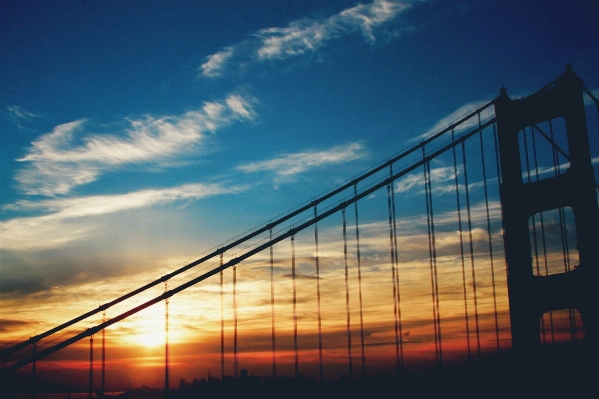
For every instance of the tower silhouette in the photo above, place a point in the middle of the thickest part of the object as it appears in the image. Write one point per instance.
(530, 296)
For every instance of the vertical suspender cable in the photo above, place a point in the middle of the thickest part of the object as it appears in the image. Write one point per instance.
(393, 277)
(222, 325)
(235, 360)
(272, 308)
(496, 154)
(401, 363)
(534, 227)
(318, 294)
(91, 365)
(295, 347)
(498, 178)
(438, 311)
(482, 153)
(563, 231)
(33, 371)
(166, 349)
(360, 284)
(555, 166)
(544, 241)
(457, 193)
(430, 193)
(430, 253)
(103, 354)
(349, 355)
(533, 220)
(467, 190)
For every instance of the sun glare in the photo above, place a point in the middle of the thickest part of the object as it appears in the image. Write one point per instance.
(150, 339)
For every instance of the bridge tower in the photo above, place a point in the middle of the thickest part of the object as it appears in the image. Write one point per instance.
(530, 296)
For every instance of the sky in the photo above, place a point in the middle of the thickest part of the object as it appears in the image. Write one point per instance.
(135, 136)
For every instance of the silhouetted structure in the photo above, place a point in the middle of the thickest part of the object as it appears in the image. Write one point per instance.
(530, 296)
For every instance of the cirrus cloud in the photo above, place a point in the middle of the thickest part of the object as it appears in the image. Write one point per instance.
(56, 163)
(306, 35)
(287, 165)
(69, 218)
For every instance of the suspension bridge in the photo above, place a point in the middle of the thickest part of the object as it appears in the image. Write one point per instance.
(499, 261)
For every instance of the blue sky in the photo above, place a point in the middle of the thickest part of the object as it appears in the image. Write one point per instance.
(136, 135)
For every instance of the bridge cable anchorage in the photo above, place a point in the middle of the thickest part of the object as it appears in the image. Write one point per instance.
(401, 361)
(562, 223)
(463, 263)
(392, 258)
(222, 324)
(235, 360)
(467, 191)
(482, 154)
(272, 308)
(347, 311)
(295, 347)
(232, 262)
(432, 260)
(318, 294)
(166, 348)
(359, 282)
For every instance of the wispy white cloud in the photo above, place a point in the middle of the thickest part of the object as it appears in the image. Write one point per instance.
(486, 114)
(57, 162)
(214, 63)
(307, 35)
(455, 116)
(21, 113)
(292, 164)
(69, 219)
(412, 181)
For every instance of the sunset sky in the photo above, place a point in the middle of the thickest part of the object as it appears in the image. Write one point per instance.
(135, 136)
